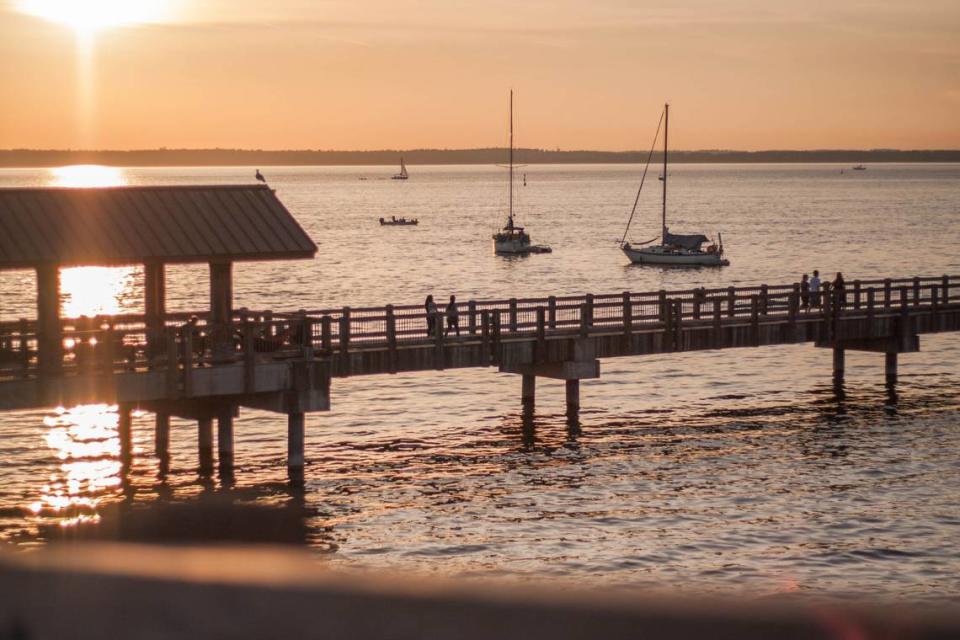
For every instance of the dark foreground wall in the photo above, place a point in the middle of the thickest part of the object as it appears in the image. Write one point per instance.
(134, 592)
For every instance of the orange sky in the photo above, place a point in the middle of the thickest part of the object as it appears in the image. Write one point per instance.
(342, 74)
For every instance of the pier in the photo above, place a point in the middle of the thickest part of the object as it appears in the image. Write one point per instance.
(208, 364)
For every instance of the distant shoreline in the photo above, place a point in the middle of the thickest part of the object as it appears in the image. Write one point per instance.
(10, 158)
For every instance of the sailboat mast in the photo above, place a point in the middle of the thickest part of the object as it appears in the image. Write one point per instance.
(511, 160)
(666, 129)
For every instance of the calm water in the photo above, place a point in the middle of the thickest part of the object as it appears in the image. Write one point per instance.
(735, 472)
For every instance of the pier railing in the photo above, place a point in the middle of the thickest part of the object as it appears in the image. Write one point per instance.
(187, 340)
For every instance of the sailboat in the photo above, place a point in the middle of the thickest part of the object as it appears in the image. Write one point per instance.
(513, 239)
(403, 172)
(674, 249)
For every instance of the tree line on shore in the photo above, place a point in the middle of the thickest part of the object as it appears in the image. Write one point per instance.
(259, 157)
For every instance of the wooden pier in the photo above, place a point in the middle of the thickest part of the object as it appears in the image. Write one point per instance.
(208, 364)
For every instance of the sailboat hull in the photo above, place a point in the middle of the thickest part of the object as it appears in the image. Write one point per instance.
(660, 255)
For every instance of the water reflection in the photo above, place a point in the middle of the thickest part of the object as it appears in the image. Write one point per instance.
(87, 175)
(85, 438)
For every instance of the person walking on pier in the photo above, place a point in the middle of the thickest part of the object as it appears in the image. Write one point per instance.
(453, 316)
(431, 308)
(805, 292)
(815, 289)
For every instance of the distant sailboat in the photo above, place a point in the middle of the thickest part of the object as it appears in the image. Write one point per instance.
(513, 239)
(859, 167)
(403, 172)
(674, 249)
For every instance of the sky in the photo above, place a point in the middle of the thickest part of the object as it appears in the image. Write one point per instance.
(375, 74)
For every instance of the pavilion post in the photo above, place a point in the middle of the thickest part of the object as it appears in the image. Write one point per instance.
(154, 305)
(221, 310)
(49, 330)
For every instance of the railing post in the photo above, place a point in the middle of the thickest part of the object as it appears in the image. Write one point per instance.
(764, 299)
(513, 315)
(697, 301)
(668, 336)
(472, 317)
(24, 345)
(584, 320)
(627, 314)
(934, 298)
(108, 354)
(755, 320)
(664, 309)
(589, 309)
(946, 289)
(173, 363)
(306, 336)
(886, 293)
(793, 310)
(678, 325)
(541, 354)
(186, 341)
(268, 322)
(731, 301)
(485, 336)
(717, 326)
(496, 336)
(916, 291)
(438, 340)
(856, 295)
(345, 341)
(871, 310)
(392, 338)
(249, 356)
(552, 312)
(326, 334)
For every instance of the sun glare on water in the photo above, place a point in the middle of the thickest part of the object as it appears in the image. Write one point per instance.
(87, 175)
(93, 15)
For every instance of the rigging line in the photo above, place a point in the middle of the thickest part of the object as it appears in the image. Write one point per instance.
(642, 179)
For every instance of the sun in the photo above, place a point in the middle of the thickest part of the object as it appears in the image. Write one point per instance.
(87, 16)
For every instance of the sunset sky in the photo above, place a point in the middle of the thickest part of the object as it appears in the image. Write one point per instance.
(373, 74)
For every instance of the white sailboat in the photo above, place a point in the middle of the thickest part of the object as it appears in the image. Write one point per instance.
(403, 172)
(513, 239)
(674, 249)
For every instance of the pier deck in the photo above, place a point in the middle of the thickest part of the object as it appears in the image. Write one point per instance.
(196, 368)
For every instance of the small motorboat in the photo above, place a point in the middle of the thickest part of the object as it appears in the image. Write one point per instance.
(859, 167)
(399, 222)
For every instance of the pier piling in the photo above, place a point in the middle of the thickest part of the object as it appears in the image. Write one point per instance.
(839, 358)
(124, 432)
(161, 435)
(890, 367)
(225, 440)
(573, 397)
(295, 443)
(529, 389)
(205, 444)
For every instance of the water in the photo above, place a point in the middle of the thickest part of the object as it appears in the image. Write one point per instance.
(741, 472)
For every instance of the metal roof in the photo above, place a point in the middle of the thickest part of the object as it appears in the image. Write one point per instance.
(132, 225)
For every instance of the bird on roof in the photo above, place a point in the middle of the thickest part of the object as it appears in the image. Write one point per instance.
(260, 177)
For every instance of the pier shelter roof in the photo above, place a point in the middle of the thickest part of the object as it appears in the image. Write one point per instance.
(146, 224)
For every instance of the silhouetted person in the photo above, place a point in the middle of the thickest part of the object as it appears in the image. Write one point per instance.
(260, 177)
(838, 290)
(453, 316)
(805, 292)
(431, 308)
(815, 289)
